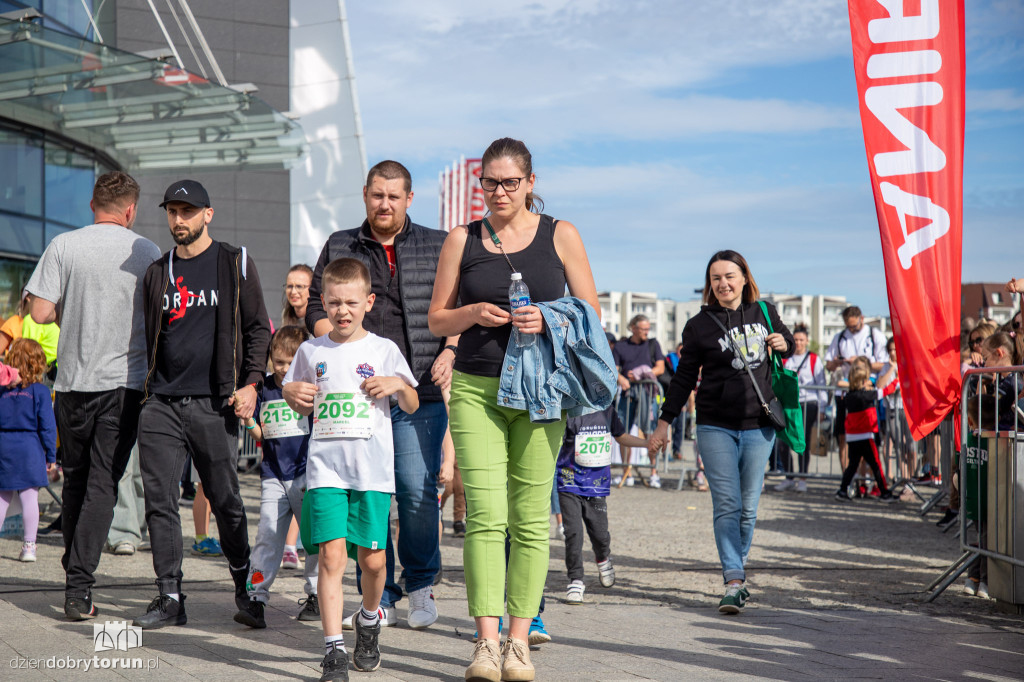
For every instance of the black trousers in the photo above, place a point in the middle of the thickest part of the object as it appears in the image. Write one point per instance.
(578, 511)
(206, 427)
(97, 431)
(865, 450)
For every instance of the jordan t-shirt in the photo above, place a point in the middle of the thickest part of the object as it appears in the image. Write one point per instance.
(188, 327)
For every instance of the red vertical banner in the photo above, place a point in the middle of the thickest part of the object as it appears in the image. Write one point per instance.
(909, 59)
(477, 208)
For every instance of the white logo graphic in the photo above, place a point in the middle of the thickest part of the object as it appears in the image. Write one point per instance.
(116, 635)
(181, 189)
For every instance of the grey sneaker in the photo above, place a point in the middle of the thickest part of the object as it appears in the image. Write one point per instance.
(735, 599)
(366, 656)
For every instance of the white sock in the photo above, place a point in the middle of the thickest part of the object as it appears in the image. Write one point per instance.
(290, 548)
(370, 618)
(332, 642)
(176, 596)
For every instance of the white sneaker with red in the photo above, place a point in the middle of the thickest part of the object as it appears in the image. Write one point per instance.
(422, 609)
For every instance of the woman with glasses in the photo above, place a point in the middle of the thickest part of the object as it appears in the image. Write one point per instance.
(296, 295)
(725, 343)
(507, 461)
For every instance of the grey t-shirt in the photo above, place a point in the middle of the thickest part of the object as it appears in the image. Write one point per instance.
(95, 274)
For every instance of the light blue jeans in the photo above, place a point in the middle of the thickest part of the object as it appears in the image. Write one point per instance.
(734, 463)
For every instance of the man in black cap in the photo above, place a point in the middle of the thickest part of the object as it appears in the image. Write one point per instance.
(208, 335)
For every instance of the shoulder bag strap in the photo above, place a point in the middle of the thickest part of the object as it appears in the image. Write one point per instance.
(743, 359)
(776, 359)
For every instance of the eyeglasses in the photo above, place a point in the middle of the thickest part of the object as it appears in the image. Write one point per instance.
(975, 340)
(297, 287)
(508, 184)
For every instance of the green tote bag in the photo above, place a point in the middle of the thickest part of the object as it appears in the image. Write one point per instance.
(786, 387)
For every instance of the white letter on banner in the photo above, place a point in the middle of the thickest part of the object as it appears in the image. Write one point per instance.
(898, 28)
(920, 207)
(896, 64)
(922, 155)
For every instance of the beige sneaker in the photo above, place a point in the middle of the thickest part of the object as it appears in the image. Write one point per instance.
(515, 661)
(486, 663)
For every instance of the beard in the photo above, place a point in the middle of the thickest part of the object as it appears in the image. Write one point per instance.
(391, 227)
(190, 237)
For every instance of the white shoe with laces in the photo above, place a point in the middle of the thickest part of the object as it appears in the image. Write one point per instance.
(801, 485)
(785, 485)
(654, 481)
(422, 609)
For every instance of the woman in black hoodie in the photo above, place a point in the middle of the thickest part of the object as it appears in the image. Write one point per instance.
(734, 434)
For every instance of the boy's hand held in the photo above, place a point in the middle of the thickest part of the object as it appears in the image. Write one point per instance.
(382, 387)
(300, 396)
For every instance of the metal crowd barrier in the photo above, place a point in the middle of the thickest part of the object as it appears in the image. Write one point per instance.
(991, 483)
(646, 398)
(249, 450)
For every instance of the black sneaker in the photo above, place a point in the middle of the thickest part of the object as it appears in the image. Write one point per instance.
(163, 612)
(842, 496)
(310, 608)
(241, 577)
(252, 615)
(79, 608)
(188, 494)
(886, 496)
(947, 518)
(459, 529)
(335, 665)
(366, 657)
(55, 528)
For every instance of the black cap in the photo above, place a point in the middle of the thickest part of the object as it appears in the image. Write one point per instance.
(188, 191)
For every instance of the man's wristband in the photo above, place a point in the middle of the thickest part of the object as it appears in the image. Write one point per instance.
(453, 349)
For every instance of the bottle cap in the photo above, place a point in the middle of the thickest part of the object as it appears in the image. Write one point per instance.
(516, 276)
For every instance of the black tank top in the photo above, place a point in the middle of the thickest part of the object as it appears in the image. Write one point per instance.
(485, 276)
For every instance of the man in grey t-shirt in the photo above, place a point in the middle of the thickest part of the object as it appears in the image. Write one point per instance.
(94, 276)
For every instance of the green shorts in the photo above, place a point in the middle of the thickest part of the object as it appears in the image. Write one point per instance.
(358, 516)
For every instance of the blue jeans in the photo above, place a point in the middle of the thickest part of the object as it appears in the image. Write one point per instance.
(734, 463)
(418, 439)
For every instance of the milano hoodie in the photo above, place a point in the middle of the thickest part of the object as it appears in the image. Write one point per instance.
(726, 397)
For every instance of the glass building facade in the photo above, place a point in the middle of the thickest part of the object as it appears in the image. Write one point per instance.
(45, 182)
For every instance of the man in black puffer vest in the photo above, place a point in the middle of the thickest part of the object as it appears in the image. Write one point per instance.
(402, 258)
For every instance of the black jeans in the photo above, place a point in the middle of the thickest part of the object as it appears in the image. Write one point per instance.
(577, 511)
(97, 431)
(206, 427)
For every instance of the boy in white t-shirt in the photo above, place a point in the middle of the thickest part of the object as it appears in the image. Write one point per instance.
(345, 379)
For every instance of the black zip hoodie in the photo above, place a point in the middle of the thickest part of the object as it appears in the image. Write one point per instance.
(726, 397)
(242, 341)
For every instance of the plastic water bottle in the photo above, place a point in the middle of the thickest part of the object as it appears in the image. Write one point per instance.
(518, 297)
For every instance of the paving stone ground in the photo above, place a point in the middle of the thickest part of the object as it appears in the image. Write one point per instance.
(837, 593)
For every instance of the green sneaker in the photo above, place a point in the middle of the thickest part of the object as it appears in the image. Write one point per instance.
(735, 599)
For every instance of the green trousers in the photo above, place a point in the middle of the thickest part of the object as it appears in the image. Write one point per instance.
(507, 464)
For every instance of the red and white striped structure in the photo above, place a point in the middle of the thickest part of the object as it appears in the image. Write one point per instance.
(460, 198)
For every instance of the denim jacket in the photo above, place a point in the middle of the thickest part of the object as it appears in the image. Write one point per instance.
(570, 367)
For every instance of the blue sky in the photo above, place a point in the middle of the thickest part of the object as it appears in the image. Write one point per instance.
(667, 131)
